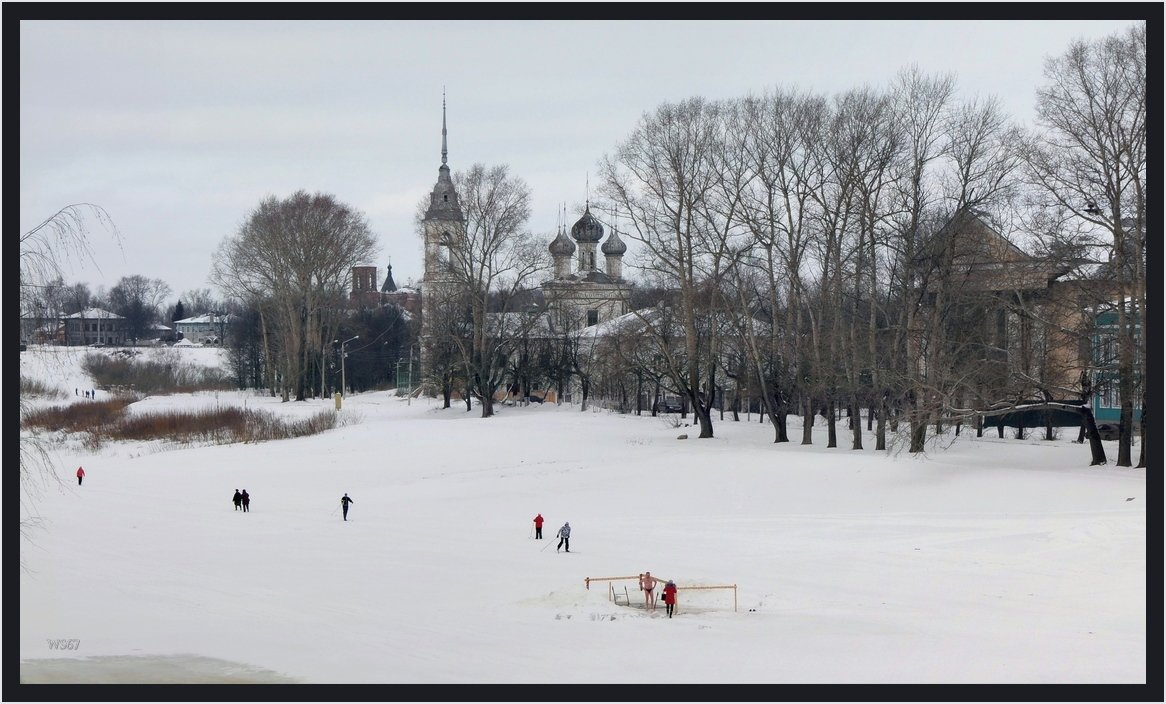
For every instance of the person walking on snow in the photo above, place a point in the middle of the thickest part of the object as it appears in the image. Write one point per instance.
(344, 501)
(670, 597)
(237, 499)
(648, 586)
(564, 536)
(80, 475)
(246, 499)
(538, 527)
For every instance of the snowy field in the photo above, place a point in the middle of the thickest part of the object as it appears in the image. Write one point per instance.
(997, 561)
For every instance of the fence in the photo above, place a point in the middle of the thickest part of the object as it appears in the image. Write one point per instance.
(611, 594)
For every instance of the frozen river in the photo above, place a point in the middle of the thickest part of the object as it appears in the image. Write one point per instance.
(124, 669)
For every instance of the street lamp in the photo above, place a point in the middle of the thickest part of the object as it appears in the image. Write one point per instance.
(343, 383)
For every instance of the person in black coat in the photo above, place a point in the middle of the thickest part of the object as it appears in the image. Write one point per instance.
(237, 499)
(245, 498)
(344, 501)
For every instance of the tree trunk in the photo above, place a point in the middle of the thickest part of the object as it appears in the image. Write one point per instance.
(856, 425)
(1096, 449)
(808, 421)
(1142, 437)
(831, 425)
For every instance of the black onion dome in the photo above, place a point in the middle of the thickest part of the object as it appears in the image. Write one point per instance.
(562, 246)
(614, 245)
(587, 229)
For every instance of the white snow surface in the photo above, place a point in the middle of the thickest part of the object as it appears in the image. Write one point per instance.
(986, 560)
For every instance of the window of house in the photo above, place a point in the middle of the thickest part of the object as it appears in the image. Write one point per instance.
(592, 317)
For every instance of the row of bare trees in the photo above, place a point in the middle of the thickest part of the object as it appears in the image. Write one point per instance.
(826, 254)
(831, 253)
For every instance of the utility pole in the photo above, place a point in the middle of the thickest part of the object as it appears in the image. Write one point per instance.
(412, 382)
(343, 354)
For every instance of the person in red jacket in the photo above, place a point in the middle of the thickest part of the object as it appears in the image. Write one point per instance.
(670, 596)
(538, 527)
(80, 475)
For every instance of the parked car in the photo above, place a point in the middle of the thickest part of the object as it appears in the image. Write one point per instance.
(669, 404)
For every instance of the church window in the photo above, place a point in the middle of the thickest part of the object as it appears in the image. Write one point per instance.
(592, 317)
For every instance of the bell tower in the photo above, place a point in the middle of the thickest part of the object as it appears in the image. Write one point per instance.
(442, 228)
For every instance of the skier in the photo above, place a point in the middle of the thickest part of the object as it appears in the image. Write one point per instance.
(344, 501)
(648, 586)
(538, 527)
(80, 475)
(246, 499)
(564, 536)
(237, 499)
(670, 597)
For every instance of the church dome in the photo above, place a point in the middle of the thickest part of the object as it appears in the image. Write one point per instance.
(587, 229)
(562, 246)
(614, 245)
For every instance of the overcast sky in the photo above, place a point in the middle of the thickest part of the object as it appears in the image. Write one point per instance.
(178, 129)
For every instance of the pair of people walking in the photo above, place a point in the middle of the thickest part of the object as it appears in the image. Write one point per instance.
(242, 500)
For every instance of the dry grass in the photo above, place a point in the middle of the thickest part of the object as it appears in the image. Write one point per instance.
(129, 379)
(107, 421)
(30, 388)
(153, 378)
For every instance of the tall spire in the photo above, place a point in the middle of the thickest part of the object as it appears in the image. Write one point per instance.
(444, 149)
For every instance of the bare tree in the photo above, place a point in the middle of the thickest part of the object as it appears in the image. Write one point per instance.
(778, 210)
(45, 251)
(922, 102)
(492, 263)
(1090, 159)
(140, 301)
(295, 256)
(667, 179)
(199, 301)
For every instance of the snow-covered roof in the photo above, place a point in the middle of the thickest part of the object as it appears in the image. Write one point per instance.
(205, 318)
(89, 313)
